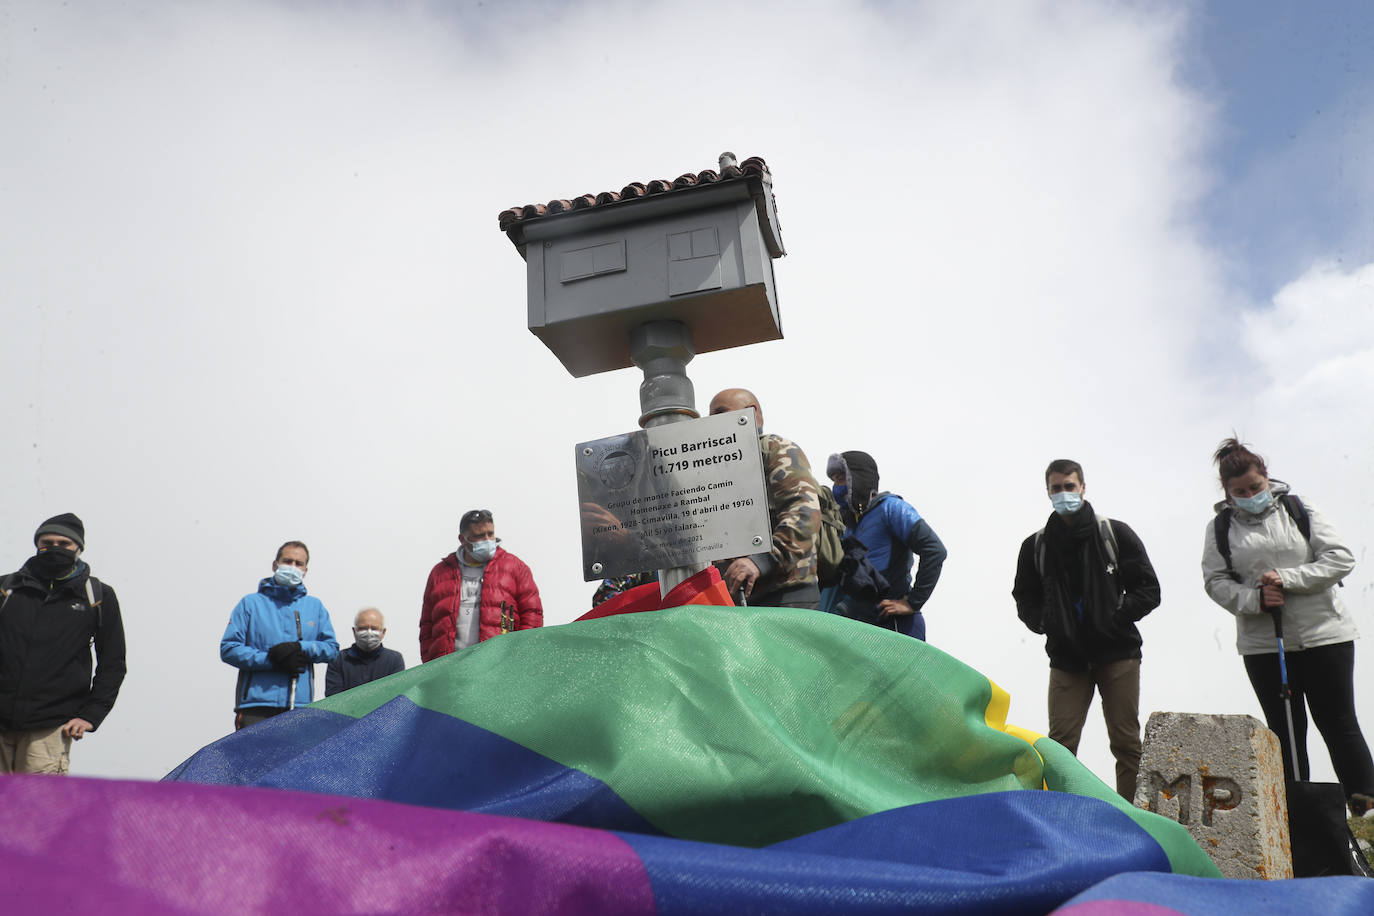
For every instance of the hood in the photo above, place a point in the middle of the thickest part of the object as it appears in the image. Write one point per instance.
(271, 589)
(862, 473)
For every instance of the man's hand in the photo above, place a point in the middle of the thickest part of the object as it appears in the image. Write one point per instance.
(285, 656)
(899, 607)
(75, 728)
(741, 575)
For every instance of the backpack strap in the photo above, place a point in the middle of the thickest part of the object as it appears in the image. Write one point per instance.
(1040, 553)
(95, 595)
(1221, 529)
(1298, 512)
(1112, 551)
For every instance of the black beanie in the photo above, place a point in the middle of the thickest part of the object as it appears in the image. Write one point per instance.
(863, 480)
(67, 525)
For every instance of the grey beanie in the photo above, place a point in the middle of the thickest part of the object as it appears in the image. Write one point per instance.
(67, 525)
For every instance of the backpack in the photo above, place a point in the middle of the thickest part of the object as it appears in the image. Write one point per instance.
(95, 594)
(829, 539)
(1221, 529)
(1109, 549)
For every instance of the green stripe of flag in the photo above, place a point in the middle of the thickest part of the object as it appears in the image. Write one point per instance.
(736, 725)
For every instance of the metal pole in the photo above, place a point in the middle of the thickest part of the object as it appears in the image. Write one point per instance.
(662, 349)
(1285, 691)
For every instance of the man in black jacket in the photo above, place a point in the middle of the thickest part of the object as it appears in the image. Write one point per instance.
(1083, 581)
(51, 611)
(366, 660)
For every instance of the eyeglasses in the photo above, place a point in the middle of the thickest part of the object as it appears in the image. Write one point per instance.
(473, 516)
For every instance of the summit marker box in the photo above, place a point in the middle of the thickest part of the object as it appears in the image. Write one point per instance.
(697, 250)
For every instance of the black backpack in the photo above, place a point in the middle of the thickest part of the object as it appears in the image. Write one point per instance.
(1221, 528)
(829, 539)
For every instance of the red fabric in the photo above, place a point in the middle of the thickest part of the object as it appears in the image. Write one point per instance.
(706, 587)
(506, 579)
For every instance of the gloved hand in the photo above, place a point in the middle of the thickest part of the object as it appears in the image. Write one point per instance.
(300, 661)
(285, 656)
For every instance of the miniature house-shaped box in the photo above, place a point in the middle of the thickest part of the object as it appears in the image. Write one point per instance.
(698, 250)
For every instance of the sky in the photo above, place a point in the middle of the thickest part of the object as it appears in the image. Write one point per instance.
(254, 290)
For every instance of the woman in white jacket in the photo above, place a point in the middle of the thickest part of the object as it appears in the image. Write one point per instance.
(1275, 569)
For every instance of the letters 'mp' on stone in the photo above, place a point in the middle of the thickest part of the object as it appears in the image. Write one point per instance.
(1222, 778)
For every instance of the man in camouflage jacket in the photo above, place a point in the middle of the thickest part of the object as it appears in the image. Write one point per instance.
(784, 576)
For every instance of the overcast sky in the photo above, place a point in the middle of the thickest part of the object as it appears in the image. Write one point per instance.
(254, 290)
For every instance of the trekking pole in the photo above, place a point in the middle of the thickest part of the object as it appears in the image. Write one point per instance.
(291, 691)
(1284, 690)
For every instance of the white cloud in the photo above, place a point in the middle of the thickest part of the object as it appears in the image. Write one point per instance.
(1315, 344)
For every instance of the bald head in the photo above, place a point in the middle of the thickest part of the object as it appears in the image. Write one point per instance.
(737, 399)
(369, 617)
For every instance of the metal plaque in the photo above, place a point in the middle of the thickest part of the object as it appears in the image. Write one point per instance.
(673, 495)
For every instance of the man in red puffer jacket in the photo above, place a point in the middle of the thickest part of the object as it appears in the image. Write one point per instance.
(477, 592)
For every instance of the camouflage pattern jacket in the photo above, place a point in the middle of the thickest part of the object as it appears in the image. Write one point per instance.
(794, 512)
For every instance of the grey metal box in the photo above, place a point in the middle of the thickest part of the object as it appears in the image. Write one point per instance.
(700, 255)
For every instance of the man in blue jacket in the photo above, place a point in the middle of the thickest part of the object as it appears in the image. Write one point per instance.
(892, 534)
(275, 635)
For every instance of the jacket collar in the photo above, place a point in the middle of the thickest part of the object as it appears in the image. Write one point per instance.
(281, 593)
(453, 560)
(73, 583)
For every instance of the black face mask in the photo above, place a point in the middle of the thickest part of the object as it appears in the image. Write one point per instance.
(54, 562)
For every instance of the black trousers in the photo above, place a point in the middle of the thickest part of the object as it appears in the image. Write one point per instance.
(1323, 681)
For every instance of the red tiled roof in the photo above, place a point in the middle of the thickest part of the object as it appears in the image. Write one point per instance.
(511, 218)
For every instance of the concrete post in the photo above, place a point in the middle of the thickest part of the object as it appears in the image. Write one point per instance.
(1222, 778)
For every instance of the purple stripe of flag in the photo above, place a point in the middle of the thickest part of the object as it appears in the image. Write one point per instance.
(86, 845)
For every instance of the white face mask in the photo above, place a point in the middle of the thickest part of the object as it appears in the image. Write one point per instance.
(367, 639)
(482, 551)
(1066, 502)
(289, 576)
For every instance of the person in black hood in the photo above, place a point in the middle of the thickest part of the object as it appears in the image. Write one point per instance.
(51, 612)
(1083, 581)
(891, 535)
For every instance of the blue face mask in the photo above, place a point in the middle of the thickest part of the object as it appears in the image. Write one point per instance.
(1254, 504)
(289, 576)
(482, 551)
(1066, 503)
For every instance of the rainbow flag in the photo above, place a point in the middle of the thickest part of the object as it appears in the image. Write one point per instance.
(691, 760)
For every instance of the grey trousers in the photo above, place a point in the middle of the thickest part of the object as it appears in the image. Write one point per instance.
(1118, 683)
